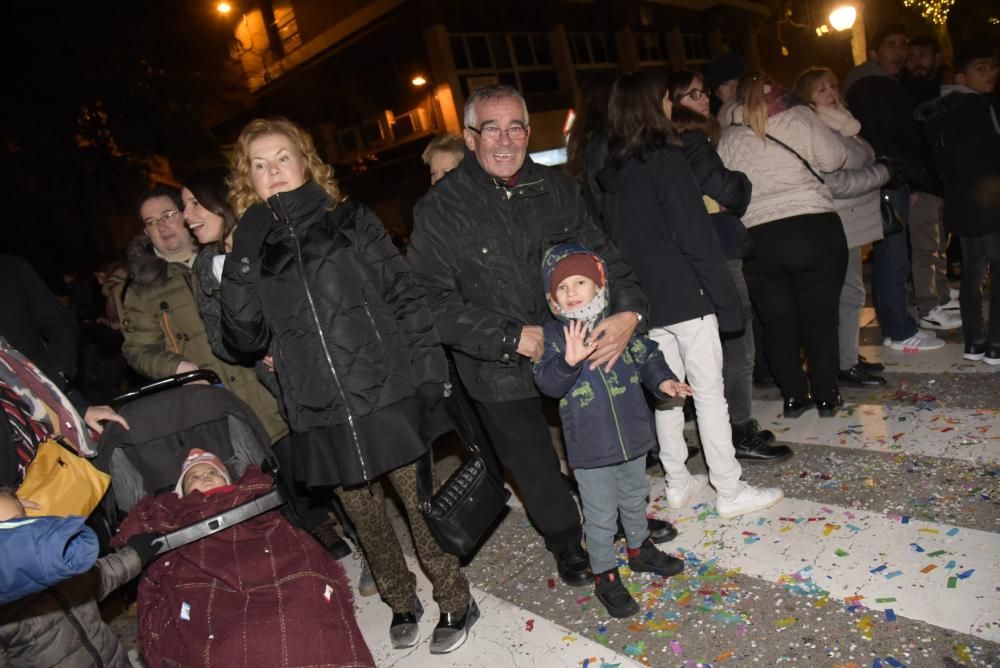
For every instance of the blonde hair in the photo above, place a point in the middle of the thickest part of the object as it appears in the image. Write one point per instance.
(241, 192)
(446, 143)
(805, 84)
(751, 96)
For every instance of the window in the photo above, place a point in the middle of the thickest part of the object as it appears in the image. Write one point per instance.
(522, 60)
(593, 48)
(651, 46)
(696, 48)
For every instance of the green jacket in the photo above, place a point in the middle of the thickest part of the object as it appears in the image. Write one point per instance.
(163, 328)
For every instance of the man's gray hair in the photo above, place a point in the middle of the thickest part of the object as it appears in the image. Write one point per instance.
(493, 92)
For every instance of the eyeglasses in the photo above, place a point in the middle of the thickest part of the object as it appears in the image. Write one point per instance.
(695, 94)
(493, 133)
(167, 217)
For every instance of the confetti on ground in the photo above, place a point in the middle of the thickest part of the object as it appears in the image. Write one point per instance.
(890, 615)
(928, 568)
(894, 574)
(785, 622)
(841, 553)
(529, 625)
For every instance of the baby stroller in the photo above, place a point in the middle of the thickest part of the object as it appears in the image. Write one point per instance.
(241, 585)
(167, 419)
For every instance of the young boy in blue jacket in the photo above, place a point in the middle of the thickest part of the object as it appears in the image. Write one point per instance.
(606, 420)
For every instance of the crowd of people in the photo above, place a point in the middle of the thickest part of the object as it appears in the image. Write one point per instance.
(707, 233)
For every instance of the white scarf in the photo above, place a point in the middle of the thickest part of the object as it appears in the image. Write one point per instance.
(840, 120)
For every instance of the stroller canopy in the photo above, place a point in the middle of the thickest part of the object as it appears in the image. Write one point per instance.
(147, 458)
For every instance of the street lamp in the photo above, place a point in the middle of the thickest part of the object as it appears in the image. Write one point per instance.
(842, 18)
(418, 81)
(223, 8)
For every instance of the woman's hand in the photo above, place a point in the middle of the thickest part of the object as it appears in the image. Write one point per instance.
(674, 388)
(95, 415)
(578, 347)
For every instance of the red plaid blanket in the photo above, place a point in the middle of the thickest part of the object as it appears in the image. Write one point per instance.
(261, 593)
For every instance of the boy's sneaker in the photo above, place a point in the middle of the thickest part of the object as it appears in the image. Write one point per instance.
(678, 496)
(938, 318)
(613, 596)
(918, 342)
(974, 351)
(750, 500)
(648, 559)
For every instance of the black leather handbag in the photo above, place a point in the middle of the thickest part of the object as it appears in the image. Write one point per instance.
(891, 222)
(470, 501)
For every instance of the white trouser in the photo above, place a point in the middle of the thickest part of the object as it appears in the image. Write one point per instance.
(693, 350)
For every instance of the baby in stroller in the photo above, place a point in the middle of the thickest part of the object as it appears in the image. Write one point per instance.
(260, 592)
(235, 583)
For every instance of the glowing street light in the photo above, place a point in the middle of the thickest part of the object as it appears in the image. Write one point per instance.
(223, 8)
(418, 81)
(842, 18)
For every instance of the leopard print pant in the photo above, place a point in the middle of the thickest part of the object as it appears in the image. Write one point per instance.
(395, 582)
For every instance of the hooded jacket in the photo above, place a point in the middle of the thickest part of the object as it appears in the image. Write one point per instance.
(885, 110)
(476, 247)
(657, 217)
(349, 326)
(963, 129)
(605, 417)
(163, 327)
(60, 624)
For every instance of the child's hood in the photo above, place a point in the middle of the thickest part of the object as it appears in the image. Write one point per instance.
(554, 256)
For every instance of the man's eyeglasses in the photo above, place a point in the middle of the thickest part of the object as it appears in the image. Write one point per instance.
(493, 133)
(695, 94)
(167, 217)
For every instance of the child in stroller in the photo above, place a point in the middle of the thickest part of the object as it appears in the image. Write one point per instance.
(256, 592)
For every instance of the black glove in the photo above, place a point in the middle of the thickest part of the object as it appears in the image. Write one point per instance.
(249, 236)
(146, 545)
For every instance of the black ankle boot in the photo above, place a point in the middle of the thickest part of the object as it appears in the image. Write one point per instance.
(830, 407)
(612, 594)
(660, 531)
(795, 407)
(751, 447)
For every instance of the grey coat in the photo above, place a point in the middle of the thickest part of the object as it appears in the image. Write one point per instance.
(62, 625)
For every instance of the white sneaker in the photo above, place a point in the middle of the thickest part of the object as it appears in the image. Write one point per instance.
(938, 318)
(952, 306)
(750, 500)
(920, 341)
(677, 497)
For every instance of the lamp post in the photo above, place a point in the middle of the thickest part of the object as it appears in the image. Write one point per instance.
(223, 8)
(851, 17)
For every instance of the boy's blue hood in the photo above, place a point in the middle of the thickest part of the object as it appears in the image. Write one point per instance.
(556, 254)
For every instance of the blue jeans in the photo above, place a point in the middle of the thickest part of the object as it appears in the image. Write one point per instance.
(890, 268)
(604, 493)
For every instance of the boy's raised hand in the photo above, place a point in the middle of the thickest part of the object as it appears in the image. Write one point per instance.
(577, 346)
(674, 388)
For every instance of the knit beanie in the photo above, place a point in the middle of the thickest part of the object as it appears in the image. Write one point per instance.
(577, 264)
(199, 456)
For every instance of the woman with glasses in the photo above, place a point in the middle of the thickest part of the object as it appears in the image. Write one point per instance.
(726, 194)
(358, 360)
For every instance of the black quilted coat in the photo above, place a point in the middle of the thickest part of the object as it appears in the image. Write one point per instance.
(352, 333)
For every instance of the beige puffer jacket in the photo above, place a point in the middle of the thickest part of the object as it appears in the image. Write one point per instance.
(782, 186)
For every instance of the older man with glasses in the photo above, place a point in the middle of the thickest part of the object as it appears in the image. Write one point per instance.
(477, 248)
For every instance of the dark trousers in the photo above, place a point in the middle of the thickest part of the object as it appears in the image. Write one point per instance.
(311, 506)
(521, 439)
(890, 268)
(980, 254)
(795, 278)
(738, 355)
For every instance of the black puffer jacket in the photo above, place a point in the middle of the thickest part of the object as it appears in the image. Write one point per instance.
(351, 330)
(961, 129)
(656, 214)
(477, 245)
